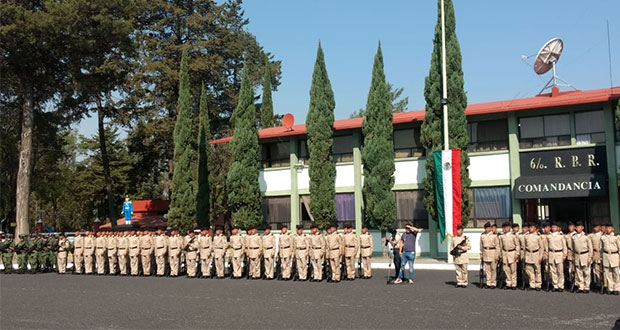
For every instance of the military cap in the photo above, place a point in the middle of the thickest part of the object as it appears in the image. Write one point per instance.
(348, 226)
(169, 228)
(299, 227)
(314, 226)
(579, 223)
(333, 225)
(365, 226)
(285, 226)
(234, 227)
(487, 225)
(514, 225)
(546, 224)
(494, 225)
(506, 224)
(9, 235)
(22, 235)
(570, 223)
(459, 227)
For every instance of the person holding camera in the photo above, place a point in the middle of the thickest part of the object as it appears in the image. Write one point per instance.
(458, 248)
(394, 246)
(407, 252)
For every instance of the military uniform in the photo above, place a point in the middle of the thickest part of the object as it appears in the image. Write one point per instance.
(21, 250)
(7, 254)
(489, 248)
(597, 261)
(236, 245)
(569, 252)
(205, 255)
(100, 243)
(366, 248)
(63, 250)
(191, 254)
(285, 244)
(556, 250)
(351, 247)
(134, 254)
(112, 250)
(34, 251)
(335, 250)
(175, 244)
(161, 249)
(317, 252)
(611, 255)
(78, 254)
(462, 260)
(146, 253)
(582, 249)
(122, 245)
(510, 250)
(52, 254)
(301, 248)
(89, 253)
(534, 251)
(269, 250)
(220, 245)
(253, 249)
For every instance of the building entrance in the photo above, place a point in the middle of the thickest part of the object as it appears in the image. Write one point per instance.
(589, 210)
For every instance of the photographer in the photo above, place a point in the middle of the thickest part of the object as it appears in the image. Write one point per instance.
(407, 252)
(393, 243)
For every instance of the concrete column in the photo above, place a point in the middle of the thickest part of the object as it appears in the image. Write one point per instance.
(295, 214)
(612, 166)
(515, 171)
(357, 180)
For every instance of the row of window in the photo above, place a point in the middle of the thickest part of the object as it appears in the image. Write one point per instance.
(490, 204)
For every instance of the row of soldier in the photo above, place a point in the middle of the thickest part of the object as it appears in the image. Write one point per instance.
(166, 253)
(574, 261)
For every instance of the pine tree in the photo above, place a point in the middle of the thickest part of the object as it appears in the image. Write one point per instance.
(319, 123)
(244, 199)
(203, 200)
(266, 109)
(432, 127)
(183, 199)
(378, 151)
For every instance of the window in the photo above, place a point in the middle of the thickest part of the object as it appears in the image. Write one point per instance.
(302, 150)
(544, 131)
(345, 207)
(407, 143)
(491, 204)
(410, 208)
(342, 150)
(277, 211)
(590, 127)
(275, 154)
(489, 135)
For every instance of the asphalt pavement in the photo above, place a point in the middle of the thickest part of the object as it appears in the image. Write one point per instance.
(113, 302)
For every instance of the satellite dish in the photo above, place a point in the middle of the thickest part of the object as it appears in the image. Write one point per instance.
(548, 55)
(287, 121)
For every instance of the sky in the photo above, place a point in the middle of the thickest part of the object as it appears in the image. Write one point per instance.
(493, 35)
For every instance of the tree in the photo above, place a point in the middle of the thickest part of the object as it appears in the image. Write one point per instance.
(378, 151)
(432, 126)
(244, 199)
(320, 128)
(183, 199)
(266, 109)
(398, 104)
(203, 199)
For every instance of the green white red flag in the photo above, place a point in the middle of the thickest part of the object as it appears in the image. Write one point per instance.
(448, 194)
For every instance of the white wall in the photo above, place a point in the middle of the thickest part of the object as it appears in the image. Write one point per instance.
(409, 172)
(303, 179)
(275, 180)
(344, 176)
(489, 167)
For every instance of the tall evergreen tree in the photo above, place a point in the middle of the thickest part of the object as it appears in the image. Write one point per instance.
(183, 199)
(244, 199)
(432, 127)
(203, 200)
(378, 151)
(320, 127)
(266, 108)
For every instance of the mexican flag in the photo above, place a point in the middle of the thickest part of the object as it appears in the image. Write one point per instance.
(448, 190)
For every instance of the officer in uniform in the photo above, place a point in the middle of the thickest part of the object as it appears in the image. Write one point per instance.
(236, 245)
(122, 243)
(569, 249)
(34, 249)
(534, 247)
(220, 245)
(269, 250)
(285, 251)
(146, 252)
(20, 248)
(134, 252)
(205, 241)
(89, 252)
(611, 255)
(597, 263)
(100, 244)
(78, 253)
(175, 245)
(63, 250)
(7, 253)
(161, 249)
(510, 251)
(582, 249)
(489, 246)
(462, 259)
(191, 254)
(351, 248)
(53, 251)
(318, 248)
(301, 249)
(335, 251)
(112, 250)
(556, 250)
(366, 248)
(253, 249)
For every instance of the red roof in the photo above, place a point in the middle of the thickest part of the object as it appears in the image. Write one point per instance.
(536, 102)
(147, 213)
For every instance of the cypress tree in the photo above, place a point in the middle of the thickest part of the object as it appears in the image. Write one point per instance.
(244, 199)
(378, 151)
(266, 109)
(432, 127)
(320, 130)
(183, 199)
(203, 204)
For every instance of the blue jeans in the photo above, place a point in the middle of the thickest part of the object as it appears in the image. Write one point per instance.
(406, 258)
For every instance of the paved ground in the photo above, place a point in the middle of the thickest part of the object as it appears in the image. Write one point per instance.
(85, 302)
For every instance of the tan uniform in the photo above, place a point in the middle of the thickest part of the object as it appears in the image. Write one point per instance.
(253, 249)
(205, 255)
(175, 245)
(191, 255)
(534, 247)
(489, 248)
(317, 252)
(269, 252)
(611, 255)
(89, 254)
(556, 249)
(134, 254)
(582, 258)
(461, 262)
(301, 248)
(335, 250)
(285, 245)
(161, 249)
(146, 253)
(236, 245)
(510, 251)
(569, 251)
(597, 265)
(63, 250)
(78, 254)
(122, 250)
(220, 244)
(111, 243)
(100, 254)
(351, 247)
(366, 248)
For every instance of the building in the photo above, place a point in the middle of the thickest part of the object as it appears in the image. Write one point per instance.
(550, 157)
